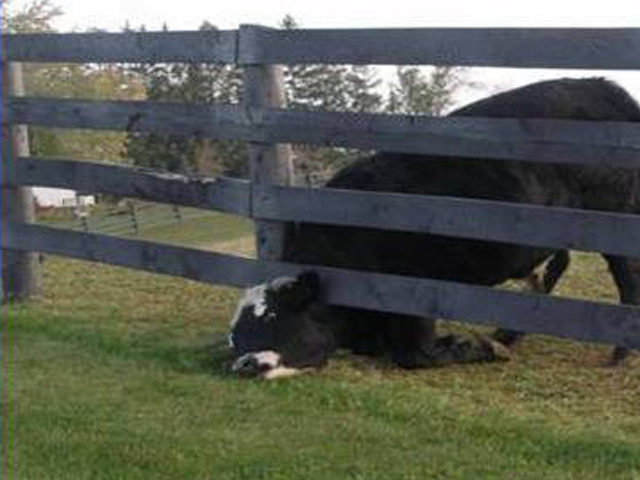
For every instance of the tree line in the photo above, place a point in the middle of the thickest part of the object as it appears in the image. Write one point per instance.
(411, 90)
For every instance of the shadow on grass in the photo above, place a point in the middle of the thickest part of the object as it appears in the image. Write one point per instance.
(218, 358)
(212, 358)
(210, 355)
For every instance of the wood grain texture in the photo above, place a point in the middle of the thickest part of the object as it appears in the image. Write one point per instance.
(613, 144)
(222, 194)
(213, 121)
(585, 48)
(210, 46)
(271, 163)
(21, 272)
(532, 225)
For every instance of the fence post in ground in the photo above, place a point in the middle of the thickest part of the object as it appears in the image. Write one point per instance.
(270, 163)
(177, 213)
(21, 273)
(84, 223)
(134, 218)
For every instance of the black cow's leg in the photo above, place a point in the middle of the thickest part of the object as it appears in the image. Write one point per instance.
(365, 335)
(467, 349)
(409, 339)
(362, 331)
(552, 273)
(413, 343)
(626, 274)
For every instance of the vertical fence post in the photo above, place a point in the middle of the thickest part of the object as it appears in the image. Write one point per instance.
(21, 275)
(270, 163)
(84, 223)
(133, 213)
(177, 213)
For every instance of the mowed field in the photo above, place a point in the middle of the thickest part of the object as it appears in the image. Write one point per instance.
(116, 374)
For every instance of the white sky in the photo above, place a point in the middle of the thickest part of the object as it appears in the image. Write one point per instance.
(112, 15)
(188, 14)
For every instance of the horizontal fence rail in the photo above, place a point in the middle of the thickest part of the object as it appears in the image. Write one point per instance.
(533, 225)
(611, 144)
(581, 320)
(614, 144)
(479, 47)
(224, 122)
(206, 46)
(540, 226)
(223, 194)
(498, 47)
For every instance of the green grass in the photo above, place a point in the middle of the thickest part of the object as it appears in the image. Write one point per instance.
(117, 374)
(198, 228)
(201, 231)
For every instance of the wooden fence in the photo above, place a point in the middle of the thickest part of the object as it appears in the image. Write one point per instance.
(263, 121)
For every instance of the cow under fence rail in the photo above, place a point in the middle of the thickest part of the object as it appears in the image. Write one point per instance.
(269, 198)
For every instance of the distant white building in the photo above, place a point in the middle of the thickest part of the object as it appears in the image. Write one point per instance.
(58, 197)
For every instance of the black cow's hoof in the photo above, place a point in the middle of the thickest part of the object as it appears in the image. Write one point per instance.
(498, 351)
(618, 356)
(508, 338)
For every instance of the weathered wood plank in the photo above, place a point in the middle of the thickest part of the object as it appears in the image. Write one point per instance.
(210, 46)
(561, 317)
(512, 47)
(581, 320)
(614, 144)
(213, 121)
(222, 194)
(193, 264)
(586, 48)
(533, 225)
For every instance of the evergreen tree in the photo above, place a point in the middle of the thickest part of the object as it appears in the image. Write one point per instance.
(419, 92)
(363, 89)
(332, 88)
(36, 16)
(68, 81)
(104, 82)
(189, 83)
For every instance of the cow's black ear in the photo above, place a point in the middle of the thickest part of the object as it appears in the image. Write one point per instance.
(308, 284)
(297, 293)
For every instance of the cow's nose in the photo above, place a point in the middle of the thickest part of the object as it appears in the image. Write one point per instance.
(246, 365)
(256, 363)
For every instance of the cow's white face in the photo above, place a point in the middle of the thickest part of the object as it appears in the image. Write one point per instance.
(273, 332)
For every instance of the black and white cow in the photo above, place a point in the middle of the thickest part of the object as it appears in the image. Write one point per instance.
(281, 327)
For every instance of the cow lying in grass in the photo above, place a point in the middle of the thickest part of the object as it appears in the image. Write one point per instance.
(280, 327)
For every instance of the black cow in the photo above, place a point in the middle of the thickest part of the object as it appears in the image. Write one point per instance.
(281, 328)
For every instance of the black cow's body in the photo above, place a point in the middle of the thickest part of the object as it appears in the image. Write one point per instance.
(411, 341)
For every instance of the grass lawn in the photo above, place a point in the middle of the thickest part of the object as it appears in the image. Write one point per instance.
(117, 375)
(202, 231)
